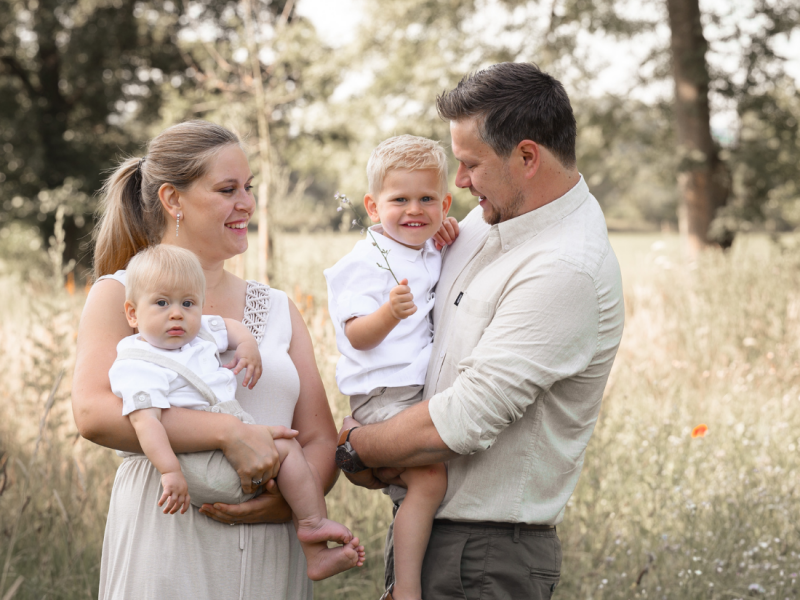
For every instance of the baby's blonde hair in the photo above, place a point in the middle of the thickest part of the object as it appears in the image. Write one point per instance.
(409, 152)
(164, 266)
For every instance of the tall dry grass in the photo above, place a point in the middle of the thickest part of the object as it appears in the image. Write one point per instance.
(657, 513)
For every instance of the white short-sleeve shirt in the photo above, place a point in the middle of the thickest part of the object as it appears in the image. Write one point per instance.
(357, 286)
(142, 384)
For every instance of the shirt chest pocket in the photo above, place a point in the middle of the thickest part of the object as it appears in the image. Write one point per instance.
(471, 318)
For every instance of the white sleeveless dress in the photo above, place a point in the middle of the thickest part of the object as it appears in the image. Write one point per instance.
(147, 554)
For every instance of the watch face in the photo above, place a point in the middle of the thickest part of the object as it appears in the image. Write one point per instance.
(344, 459)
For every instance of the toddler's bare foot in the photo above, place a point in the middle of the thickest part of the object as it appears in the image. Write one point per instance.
(322, 530)
(325, 562)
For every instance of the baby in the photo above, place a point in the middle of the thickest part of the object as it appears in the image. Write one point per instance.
(383, 323)
(174, 361)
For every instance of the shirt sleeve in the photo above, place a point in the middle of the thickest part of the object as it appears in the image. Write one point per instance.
(358, 287)
(545, 329)
(215, 325)
(140, 384)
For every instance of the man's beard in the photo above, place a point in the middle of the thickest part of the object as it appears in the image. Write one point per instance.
(505, 212)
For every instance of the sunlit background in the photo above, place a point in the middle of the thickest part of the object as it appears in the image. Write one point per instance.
(664, 509)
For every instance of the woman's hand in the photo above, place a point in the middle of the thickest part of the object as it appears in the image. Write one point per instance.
(251, 451)
(269, 507)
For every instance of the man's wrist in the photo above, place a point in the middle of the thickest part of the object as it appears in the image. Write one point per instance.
(347, 458)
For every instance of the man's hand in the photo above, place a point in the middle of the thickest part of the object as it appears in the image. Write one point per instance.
(401, 301)
(447, 233)
(176, 493)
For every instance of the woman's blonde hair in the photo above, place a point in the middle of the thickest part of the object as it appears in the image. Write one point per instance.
(132, 215)
(162, 267)
(405, 152)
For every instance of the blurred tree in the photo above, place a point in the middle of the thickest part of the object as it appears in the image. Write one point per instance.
(73, 74)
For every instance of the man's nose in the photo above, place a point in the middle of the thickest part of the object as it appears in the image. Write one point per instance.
(462, 179)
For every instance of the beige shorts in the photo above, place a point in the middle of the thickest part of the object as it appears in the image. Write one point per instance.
(383, 403)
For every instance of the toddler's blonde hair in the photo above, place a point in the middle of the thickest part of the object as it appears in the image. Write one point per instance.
(164, 266)
(409, 152)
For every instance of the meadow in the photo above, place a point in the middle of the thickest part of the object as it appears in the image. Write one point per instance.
(658, 513)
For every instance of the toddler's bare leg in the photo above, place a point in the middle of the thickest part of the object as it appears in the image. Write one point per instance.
(412, 527)
(303, 492)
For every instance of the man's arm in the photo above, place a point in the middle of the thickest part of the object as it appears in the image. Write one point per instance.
(408, 439)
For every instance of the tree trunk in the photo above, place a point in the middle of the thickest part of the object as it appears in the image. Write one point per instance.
(701, 175)
(262, 109)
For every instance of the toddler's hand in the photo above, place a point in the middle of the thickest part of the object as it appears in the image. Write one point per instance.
(401, 301)
(247, 357)
(447, 233)
(176, 493)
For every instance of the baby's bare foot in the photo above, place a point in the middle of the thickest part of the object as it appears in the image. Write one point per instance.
(322, 530)
(325, 562)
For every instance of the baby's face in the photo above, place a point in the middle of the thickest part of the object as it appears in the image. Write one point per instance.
(410, 206)
(166, 318)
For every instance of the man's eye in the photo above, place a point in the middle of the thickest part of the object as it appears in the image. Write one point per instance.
(188, 304)
(161, 303)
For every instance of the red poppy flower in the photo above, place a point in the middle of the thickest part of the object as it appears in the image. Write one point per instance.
(699, 431)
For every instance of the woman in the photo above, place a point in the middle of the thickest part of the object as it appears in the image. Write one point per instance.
(193, 189)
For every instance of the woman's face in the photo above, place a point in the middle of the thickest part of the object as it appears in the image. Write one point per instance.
(215, 210)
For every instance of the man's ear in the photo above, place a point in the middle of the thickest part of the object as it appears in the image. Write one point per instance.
(170, 199)
(130, 314)
(371, 204)
(446, 203)
(531, 157)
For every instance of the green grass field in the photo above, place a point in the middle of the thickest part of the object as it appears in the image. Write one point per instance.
(657, 513)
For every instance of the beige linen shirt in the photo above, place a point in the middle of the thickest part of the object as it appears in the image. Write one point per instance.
(528, 319)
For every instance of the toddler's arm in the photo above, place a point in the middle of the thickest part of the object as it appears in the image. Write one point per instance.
(247, 354)
(155, 444)
(368, 331)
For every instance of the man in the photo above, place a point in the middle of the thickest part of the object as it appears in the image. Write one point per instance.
(528, 319)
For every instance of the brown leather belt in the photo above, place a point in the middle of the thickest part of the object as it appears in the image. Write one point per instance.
(497, 525)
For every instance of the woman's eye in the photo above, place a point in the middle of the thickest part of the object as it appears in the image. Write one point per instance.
(227, 191)
(161, 303)
(248, 188)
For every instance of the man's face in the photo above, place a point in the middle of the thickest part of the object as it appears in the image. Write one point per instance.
(486, 174)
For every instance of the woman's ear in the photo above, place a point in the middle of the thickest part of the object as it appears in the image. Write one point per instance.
(371, 204)
(170, 200)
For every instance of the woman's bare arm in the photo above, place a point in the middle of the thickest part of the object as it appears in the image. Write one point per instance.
(98, 412)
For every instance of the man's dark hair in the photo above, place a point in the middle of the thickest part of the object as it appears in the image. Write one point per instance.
(514, 102)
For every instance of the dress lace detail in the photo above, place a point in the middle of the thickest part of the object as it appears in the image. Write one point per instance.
(256, 309)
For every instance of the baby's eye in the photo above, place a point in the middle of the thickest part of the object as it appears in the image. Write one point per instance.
(399, 199)
(188, 304)
(161, 303)
(427, 199)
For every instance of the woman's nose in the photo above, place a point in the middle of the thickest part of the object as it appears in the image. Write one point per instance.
(245, 202)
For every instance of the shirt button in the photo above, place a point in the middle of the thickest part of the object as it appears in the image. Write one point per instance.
(506, 247)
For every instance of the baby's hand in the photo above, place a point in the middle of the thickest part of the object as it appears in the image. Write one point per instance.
(447, 233)
(247, 357)
(176, 493)
(401, 301)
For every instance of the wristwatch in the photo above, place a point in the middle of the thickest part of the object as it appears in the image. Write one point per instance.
(346, 457)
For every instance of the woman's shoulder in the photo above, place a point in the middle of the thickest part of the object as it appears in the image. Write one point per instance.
(263, 305)
(118, 276)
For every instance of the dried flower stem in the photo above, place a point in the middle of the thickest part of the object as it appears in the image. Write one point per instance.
(357, 221)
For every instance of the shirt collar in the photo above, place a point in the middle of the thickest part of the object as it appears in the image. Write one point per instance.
(519, 229)
(397, 249)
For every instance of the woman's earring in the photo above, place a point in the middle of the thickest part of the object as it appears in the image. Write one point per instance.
(177, 224)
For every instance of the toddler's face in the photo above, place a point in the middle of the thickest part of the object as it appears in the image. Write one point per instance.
(166, 318)
(410, 206)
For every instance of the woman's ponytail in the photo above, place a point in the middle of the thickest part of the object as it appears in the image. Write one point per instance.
(122, 230)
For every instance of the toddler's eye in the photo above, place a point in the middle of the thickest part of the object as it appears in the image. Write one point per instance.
(399, 199)
(427, 199)
(161, 303)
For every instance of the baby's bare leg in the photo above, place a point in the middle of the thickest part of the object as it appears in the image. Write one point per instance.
(412, 527)
(303, 492)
